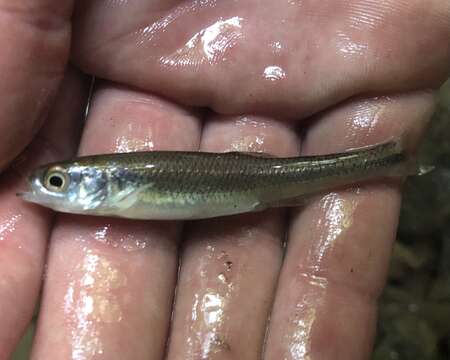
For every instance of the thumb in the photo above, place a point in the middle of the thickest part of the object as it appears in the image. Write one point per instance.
(35, 43)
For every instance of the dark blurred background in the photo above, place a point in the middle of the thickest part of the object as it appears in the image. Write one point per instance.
(414, 315)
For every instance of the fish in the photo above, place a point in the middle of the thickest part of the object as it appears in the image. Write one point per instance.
(177, 185)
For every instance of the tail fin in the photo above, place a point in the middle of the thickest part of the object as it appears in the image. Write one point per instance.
(424, 169)
(412, 165)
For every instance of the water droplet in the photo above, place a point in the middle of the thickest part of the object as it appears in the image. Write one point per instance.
(274, 73)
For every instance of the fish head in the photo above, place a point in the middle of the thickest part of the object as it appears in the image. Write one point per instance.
(70, 187)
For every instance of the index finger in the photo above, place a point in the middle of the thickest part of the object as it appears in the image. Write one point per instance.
(339, 245)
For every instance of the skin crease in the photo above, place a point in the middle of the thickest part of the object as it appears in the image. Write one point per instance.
(109, 290)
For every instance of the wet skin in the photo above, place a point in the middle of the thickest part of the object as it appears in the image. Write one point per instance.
(286, 78)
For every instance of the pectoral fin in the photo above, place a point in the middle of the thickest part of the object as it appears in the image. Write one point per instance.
(128, 197)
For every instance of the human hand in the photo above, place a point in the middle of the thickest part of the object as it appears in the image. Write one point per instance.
(346, 73)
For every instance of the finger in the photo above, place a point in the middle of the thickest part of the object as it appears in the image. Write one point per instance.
(229, 266)
(24, 229)
(110, 282)
(291, 58)
(339, 246)
(35, 41)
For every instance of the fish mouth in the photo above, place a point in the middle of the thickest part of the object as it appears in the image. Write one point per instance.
(27, 196)
(33, 198)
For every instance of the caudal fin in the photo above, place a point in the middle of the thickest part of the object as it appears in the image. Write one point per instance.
(412, 165)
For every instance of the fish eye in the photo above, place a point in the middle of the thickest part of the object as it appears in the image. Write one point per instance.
(56, 180)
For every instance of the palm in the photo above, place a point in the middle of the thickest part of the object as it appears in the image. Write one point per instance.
(110, 284)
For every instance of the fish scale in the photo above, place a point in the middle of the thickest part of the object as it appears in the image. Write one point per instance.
(193, 185)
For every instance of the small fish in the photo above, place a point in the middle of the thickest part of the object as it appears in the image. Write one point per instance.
(168, 185)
